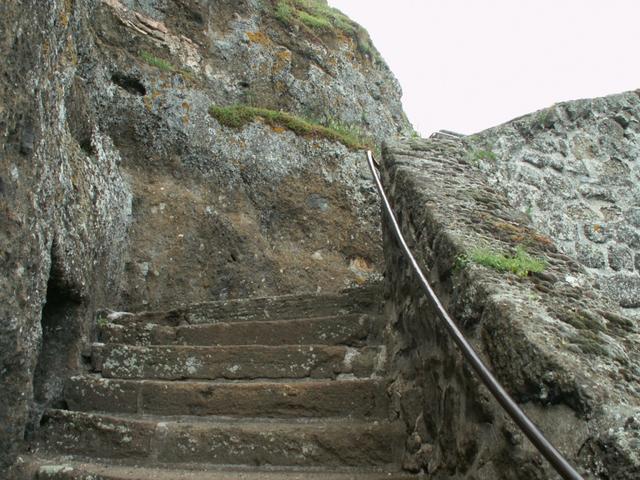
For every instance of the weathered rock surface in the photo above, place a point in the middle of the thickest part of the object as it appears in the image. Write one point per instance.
(93, 471)
(306, 398)
(347, 330)
(561, 347)
(288, 416)
(65, 207)
(221, 212)
(573, 170)
(117, 188)
(232, 362)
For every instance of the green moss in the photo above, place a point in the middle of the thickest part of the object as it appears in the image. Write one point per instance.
(237, 116)
(159, 63)
(328, 16)
(233, 117)
(102, 321)
(478, 155)
(322, 18)
(164, 65)
(284, 12)
(460, 263)
(318, 23)
(521, 263)
(543, 119)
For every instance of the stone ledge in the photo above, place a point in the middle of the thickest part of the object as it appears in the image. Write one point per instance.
(553, 339)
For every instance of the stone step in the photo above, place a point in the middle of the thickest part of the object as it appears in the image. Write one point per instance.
(346, 330)
(287, 307)
(234, 362)
(355, 398)
(213, 440)
(64, 469)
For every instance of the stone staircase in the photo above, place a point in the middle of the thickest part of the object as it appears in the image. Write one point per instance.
(273, 388)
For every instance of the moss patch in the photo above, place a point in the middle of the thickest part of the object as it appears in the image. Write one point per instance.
(521, 263)
(321, 18)
(237, 116)
(162, 64)
(157, 62)
(319, 23)
(478, 155)
(284, 12)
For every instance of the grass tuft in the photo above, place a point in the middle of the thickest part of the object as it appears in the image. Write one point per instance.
(318, 23)
(478, 155)
(159, 63)
(521, 263)
(164, 65)
(102, 321)
(322, 18)
(284, 12)
(237, 116)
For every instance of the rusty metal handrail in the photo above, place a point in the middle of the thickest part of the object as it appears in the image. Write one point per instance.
(544, 446)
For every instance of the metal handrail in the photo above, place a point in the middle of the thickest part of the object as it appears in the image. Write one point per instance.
(544, 446)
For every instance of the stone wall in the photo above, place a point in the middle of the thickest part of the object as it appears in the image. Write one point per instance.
(561, 348)
(573, 169)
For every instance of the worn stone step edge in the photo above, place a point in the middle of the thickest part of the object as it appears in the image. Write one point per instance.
(66, 469)
(345, 443)
(178, 362)
(352, 330)
(358, 300)
(355, 398)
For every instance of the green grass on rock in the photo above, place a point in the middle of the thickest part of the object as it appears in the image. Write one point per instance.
(318, 23)
(237, 116)
(521, 263)
(321, 18)
(159, 63)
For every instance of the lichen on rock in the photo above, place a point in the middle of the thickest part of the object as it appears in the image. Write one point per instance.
(562, 348)
(572, 169)
(118, 189)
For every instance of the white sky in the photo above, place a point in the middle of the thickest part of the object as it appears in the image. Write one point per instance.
(466, 65)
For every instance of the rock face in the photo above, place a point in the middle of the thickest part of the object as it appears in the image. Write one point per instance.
(128, 182)
(573, 169)
(561, 347)
(240, 211)
(117, 188)
(65, 208)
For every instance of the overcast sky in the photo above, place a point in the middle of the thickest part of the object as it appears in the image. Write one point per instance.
(466, 65)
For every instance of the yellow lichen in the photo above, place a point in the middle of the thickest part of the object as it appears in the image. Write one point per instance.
(259, 37)
(65, 13)
(283, 59)
(280, 87)
(520, 234)
(147, 103)
(278, 129)
(70, 51)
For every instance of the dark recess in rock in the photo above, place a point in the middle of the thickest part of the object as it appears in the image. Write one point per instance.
(27, 137)
(129, 83)
(60, 342)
